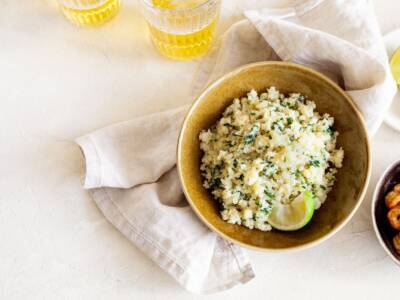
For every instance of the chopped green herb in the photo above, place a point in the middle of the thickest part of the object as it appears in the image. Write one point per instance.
(251, 136)
(235, 163)
(314, 163)
(266, 210)
(274, 125)
(269, 194)
(330, 131)
(215, 183)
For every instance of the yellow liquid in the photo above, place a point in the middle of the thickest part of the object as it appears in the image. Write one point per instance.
(182, 45)
(94, 12)
(177, 4)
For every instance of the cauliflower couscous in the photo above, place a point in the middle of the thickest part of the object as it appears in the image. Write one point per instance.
(265, 149)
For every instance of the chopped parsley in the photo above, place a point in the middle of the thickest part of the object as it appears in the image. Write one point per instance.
(269, 194)
(251, 136)
(314, 163)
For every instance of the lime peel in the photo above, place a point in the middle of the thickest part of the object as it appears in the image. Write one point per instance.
(395, 66)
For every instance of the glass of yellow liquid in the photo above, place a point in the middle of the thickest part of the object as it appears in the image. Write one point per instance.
(89, 12)
(182, 29)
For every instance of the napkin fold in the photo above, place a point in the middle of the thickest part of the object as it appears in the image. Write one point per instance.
(130, 166)
(132, 177)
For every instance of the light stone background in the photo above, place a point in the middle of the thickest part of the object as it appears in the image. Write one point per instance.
(58, 82)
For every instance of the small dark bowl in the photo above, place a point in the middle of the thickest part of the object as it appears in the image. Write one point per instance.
(383, 230)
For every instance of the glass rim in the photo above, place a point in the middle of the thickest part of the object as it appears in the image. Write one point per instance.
(148, 4)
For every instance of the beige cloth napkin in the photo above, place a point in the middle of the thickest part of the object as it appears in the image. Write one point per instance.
(131, 165)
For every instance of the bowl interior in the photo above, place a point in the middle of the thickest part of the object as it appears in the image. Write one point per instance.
(351, 179)
(386, 232)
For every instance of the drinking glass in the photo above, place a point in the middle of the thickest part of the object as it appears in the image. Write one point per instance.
(89, 12)
(181, 29)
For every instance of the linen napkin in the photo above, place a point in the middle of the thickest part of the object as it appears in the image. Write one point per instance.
(130, 166)
(131, 173)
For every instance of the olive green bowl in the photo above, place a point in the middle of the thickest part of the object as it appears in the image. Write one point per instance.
(352, 178)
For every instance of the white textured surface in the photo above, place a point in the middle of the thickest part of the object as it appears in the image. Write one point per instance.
(58, 82)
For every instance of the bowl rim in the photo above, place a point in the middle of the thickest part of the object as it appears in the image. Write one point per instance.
(375, 199)
(234, 72)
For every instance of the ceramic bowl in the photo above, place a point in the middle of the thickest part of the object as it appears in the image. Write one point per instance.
(352, 178)
(383, 230)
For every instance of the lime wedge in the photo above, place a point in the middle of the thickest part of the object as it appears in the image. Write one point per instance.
(395, 66)
(293, 216)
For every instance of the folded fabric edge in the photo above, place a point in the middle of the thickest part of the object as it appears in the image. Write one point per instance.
(243, 262)
(246, 270)
(160, 257)
(243, 278)
(92, 160)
